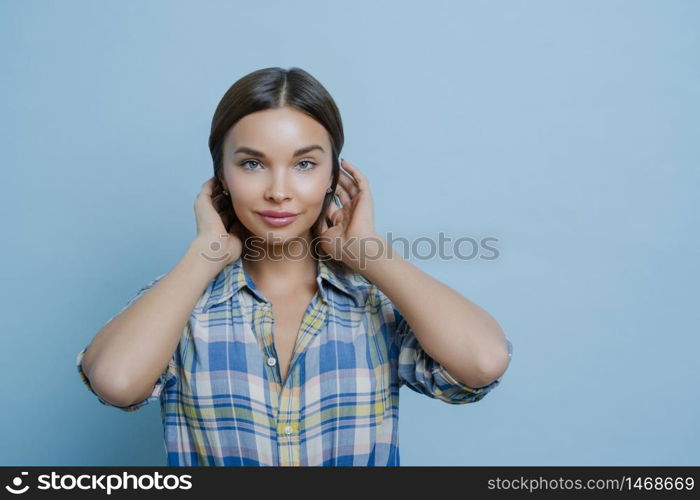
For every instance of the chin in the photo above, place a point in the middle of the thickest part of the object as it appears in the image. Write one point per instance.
(281, 235)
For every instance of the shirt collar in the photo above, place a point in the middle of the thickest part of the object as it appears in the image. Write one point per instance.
(234, 278)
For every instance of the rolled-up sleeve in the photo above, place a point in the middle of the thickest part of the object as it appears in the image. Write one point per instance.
(167, 378)
(424, 375)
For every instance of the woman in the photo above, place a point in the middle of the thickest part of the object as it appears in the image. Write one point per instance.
(277, 339)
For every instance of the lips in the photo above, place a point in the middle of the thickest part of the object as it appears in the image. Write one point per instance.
(278, 219)
(276, 213)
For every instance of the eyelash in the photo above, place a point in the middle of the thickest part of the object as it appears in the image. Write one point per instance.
(244, 163)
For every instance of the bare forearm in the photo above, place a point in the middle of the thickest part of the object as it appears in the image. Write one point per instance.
(453, 330)
(128, 355)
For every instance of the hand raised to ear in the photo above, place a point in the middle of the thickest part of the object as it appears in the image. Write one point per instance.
(219, 233)
(352, 223)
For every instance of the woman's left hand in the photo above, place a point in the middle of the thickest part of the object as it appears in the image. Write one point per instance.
(352, 231)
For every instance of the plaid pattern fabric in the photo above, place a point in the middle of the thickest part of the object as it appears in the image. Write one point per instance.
(221, 395)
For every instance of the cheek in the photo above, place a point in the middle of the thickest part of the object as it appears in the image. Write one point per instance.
(243, 191)
(243, 210)
(313, 193)
(242, 201)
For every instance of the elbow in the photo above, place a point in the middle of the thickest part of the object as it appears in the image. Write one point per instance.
(113, 389)
(494, 367)
(490, 367)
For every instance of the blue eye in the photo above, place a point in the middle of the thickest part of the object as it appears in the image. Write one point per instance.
(309, 162)
(249, 161)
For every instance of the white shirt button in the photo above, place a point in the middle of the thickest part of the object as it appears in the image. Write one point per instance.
(288, 430)
(271, 361)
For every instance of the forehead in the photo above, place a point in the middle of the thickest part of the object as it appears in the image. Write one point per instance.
(277, 130)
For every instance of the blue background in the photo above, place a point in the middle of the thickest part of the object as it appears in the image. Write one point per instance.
(567, 130)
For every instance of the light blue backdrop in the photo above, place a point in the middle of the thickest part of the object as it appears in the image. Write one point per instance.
(567, 130)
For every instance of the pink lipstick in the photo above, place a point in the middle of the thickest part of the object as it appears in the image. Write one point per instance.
(277, 218)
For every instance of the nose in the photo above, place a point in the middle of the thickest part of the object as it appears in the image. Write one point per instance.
(277, 188)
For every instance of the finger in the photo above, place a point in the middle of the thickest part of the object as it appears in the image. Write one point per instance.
(332, 208)
(349, 184)
(337, 217)
(208, 186)
(323, 226)
(207, 190)
(345, 172)
(360, 179)
(343, 195)
(220, 202)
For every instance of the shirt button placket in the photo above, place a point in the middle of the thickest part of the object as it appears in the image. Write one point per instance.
(288, 447)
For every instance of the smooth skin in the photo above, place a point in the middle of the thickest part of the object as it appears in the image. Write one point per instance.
(129, 353)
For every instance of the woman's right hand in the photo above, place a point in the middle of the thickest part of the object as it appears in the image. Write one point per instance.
(214, 215)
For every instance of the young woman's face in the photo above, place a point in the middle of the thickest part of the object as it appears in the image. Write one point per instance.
(281, 160)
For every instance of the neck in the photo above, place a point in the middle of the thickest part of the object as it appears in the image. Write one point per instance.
(283, 269)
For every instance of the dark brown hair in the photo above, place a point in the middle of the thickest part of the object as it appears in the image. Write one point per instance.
(275, 87)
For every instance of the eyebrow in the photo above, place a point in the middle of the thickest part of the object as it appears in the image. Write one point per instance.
(298, 152)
